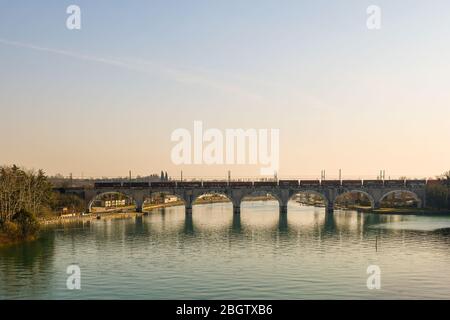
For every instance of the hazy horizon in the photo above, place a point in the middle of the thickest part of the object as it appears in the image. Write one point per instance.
(105, 99)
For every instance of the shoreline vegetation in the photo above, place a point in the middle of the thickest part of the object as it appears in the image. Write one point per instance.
(24, 194)
(28, 201)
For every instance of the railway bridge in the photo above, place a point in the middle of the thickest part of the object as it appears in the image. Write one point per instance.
(236, 191)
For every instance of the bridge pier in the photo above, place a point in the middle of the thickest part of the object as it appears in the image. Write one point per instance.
(188, 199)
(283, 209)
(282, 222)
(139, 207)
(236, 209)
(139, 198)
(236, 224)
(329, 209)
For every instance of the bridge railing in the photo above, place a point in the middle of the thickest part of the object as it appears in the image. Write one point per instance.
(256, 184)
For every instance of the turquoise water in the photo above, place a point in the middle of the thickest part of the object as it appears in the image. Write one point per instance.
(215, 255)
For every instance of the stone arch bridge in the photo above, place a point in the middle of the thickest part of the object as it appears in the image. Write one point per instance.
(236, 191)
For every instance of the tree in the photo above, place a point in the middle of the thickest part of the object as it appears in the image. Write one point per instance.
(445, 177)
(24, 194)
(27, 223)
(437, 196)
(69, 201)
(22, 189)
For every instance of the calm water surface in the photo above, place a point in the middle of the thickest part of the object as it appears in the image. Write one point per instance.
(215, 255)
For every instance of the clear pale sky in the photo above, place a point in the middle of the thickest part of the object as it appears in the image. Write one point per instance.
(104, 99)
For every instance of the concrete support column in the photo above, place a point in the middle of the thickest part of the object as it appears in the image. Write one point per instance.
(330, 195)
(188, 200)
(283, 199)
(329, 207)
(236, 198)
(139, 206)
(139, 200)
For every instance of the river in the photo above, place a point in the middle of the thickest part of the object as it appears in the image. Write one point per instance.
(214, 254)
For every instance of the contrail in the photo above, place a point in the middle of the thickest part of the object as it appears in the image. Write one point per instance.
(143, 66)
(65, 53)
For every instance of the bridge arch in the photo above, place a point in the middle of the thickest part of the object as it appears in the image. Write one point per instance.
(414, 195)
(277, 196)
(98, 196)
(199, 195)
(261, 192)
(357, 191)
(313, 192)
(162, 194)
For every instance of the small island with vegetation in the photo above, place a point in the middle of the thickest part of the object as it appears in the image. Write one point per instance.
(24, 194)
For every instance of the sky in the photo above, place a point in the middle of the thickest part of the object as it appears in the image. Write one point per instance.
(105, 99)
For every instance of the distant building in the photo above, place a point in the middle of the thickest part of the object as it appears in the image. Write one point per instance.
(169, 199)
(114, 203)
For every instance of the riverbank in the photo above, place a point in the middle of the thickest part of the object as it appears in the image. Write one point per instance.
(123, 213)
(400, 211)
(88, 217)
(8, 241)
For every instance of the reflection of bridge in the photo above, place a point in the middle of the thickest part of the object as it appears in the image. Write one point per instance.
(282, 190)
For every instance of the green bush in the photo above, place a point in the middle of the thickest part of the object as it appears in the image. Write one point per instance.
(27, 224)
(10, 230)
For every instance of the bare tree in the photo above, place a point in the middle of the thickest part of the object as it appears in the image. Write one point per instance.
(22, 189)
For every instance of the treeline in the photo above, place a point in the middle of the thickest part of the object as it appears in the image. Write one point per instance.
(22, 190)
(23, 195)
(438, 194)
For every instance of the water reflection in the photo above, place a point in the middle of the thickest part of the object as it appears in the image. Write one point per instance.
(188, 225)
(236, 225)
(213, 253)
(21, 266)
(283, 223)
